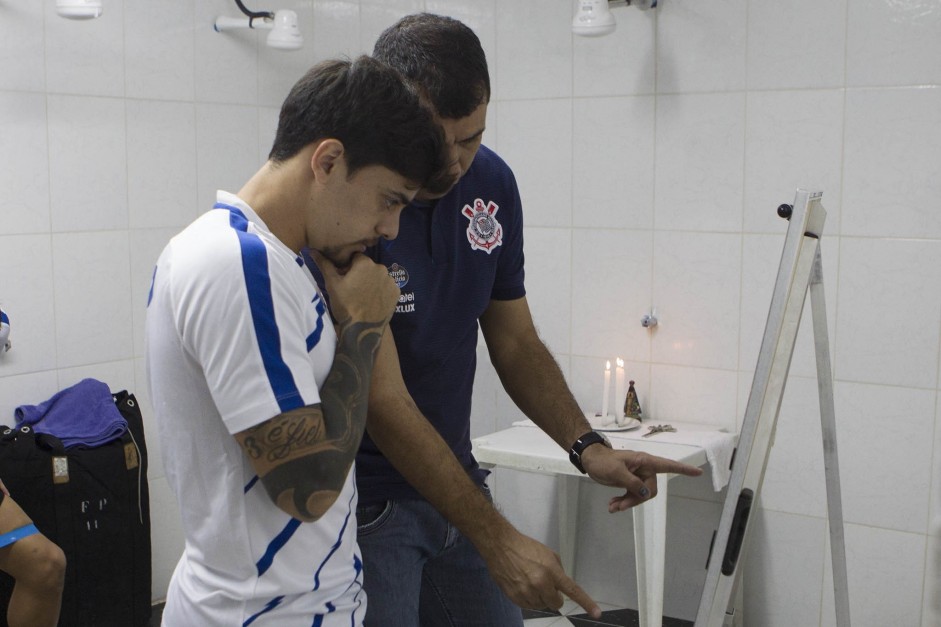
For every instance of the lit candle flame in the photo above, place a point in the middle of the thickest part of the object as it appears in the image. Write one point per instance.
(607, 365)
(620, 363)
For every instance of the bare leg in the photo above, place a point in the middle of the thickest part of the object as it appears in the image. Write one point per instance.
(38, 566)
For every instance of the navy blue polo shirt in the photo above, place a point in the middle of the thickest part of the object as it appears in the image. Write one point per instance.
(450, 259)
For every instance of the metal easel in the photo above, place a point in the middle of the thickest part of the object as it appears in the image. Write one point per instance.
(800, 271)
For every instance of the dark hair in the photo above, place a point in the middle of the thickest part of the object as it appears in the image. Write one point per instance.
(371, 109)
(443, 57)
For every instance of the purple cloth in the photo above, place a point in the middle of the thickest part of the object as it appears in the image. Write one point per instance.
(82, 415)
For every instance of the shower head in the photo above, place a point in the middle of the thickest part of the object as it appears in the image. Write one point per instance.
(284, 35)
(5, 343)
(78, 9)
(593, 17)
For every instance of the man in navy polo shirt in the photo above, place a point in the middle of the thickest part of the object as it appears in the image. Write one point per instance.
(435, 550)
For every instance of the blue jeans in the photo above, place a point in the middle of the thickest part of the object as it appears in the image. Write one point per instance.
(420, 571)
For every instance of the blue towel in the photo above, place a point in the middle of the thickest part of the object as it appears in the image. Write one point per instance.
(82, 415)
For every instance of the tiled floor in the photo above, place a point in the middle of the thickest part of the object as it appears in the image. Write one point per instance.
(571, 616)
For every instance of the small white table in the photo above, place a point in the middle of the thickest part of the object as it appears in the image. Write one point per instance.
(530, 449)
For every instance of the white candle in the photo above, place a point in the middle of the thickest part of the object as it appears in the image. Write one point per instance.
(619, 389)
(607, 391)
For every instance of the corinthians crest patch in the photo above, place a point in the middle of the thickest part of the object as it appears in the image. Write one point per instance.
(484, 232)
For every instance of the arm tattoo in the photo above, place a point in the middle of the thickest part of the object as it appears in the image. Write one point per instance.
(303, 456)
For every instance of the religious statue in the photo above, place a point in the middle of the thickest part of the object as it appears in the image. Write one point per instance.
(631, 404)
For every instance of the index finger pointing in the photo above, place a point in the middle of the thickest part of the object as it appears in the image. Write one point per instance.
(663, 465)
(567, 586)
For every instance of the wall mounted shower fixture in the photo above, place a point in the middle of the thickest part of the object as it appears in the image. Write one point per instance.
(282, 24)
(78, 9)
(593, 17)
(5, 343)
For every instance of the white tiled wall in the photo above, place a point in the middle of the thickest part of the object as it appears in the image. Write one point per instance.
(690, 125)
(114, 134)
(650, 162)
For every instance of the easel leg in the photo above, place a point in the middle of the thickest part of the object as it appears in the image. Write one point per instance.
(734, 615)
(650, 531)
(830, 459)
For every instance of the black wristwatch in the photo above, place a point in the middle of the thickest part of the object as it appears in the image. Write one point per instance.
(575, 453)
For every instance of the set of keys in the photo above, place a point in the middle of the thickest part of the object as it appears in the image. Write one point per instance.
(659, 429)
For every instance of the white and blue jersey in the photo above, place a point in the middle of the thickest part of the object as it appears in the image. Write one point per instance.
(237, 332)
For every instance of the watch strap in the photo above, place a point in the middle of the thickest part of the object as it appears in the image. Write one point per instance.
(575, 453)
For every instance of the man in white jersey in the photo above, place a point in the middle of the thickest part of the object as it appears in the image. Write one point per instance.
(260, 398)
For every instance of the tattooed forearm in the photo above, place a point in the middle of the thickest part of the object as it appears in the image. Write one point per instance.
(345, 393)
(308, 485)
(303, 456)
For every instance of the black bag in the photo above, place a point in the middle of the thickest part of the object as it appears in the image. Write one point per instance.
(94, 503)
